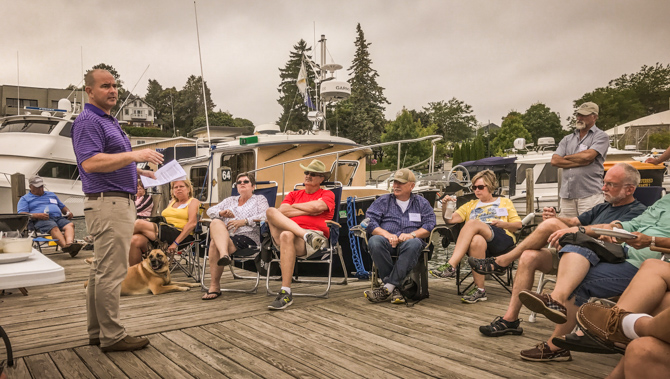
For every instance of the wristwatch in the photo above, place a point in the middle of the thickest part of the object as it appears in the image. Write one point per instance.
(653, 241)
(582, 230)
(413, 234)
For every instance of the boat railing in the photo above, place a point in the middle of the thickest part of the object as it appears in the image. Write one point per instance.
(432, 138)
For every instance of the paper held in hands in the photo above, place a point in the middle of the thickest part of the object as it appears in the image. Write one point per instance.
(170, 172)
(616, 233)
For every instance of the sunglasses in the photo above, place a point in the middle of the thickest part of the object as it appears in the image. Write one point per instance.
(312, 174)
(479, 187)
(243, 182)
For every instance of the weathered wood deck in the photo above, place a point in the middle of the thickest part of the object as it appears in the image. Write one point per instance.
(237, 336)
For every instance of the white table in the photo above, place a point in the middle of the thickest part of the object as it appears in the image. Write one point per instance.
(37, 270)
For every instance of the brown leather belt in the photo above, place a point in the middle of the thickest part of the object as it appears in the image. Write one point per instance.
(93, 196)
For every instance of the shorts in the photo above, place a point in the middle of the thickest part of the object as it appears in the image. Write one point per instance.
(604, 280)
(242, 242)
(308, 248)
(169, 233)
(45, 226)
(499, 243)
(585, 252)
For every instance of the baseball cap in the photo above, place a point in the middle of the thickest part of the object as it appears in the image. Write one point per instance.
(587, 108)
(36, 181)
(404, 175)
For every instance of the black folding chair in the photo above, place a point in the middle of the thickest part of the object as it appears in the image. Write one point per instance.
(323, 256)
(249, 254)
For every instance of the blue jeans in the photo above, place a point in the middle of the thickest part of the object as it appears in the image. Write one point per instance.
(408, 253)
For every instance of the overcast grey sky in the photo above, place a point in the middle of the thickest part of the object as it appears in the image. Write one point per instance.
(495, 55)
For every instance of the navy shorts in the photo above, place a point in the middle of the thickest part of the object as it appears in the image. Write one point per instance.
(242, 242)
(499, 243)
(45, 226)
(169, 233)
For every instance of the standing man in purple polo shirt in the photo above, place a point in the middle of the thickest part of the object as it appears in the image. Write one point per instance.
(109, 180)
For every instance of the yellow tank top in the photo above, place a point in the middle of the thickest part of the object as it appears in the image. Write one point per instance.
(178, 217)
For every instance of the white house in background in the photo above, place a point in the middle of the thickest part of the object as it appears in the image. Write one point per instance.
(138, 112)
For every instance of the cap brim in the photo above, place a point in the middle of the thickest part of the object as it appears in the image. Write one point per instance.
(400, 180)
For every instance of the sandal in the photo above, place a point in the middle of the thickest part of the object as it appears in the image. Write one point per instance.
(486, 266)
(212, 293)
(224, 261)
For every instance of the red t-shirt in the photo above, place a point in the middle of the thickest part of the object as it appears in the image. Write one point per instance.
(317, 222)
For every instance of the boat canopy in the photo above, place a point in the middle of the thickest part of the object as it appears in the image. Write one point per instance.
(498, 165)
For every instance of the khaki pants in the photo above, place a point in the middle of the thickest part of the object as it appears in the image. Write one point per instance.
(575, 207)
(110, 220)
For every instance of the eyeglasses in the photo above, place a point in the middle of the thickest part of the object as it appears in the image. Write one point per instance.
(243, 182)
(479, 187)
(611, 185)
(312, 174)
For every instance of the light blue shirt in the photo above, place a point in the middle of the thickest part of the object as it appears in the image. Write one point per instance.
(31, 203)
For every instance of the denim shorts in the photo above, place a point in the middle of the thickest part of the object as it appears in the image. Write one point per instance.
(586, 253)
(499, 243)
(45, 226)
(604, 280)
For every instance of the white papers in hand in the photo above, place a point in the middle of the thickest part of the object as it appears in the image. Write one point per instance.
(166, 174)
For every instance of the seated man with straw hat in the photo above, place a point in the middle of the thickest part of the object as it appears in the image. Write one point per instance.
(298, 227)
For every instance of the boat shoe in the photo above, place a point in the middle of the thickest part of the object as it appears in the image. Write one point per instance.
(542, 353)
(544, 305)
(603, 324)
(584, 344)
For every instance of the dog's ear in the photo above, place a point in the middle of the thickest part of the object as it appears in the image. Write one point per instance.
(162, 245)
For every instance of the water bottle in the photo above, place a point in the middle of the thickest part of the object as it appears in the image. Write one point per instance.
(449, 211)
(46, 210)
(365, 222)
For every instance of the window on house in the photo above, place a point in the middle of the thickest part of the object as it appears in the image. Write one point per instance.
(126, 111)
(59, 170)
(140, 142)
(20, 103)
(150, 113)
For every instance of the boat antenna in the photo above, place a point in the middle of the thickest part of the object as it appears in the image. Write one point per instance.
(202, 78)
(83, 84)
(18, 86)
(131, 92)
(174, 131)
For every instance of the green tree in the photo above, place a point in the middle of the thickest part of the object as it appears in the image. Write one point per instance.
(465, 151)
(403, 127)
(481, 148)
(365, 107)
(457, 155)
(294, 110)
(631, 96)
(190, 104)
(659, 140)
(511, 129)
(454, 119)
(215, 119)
(242, 122)
(540, 121)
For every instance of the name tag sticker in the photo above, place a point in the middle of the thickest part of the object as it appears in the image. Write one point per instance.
(415, 217)
(182, 206)
(501, 212)
(53, 201)
(582, 147)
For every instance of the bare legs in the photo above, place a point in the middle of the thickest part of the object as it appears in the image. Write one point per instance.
(535, 241)
(530, 261)
(143, 232)
(289, 236)
(466, 238)
(220, 245)
(64, 238)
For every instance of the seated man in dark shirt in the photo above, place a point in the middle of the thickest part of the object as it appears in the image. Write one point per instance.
(620, 183)
(398, 223)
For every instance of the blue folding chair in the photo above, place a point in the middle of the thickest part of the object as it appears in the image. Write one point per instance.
(249, 254)
(324, 256)
(648, 195)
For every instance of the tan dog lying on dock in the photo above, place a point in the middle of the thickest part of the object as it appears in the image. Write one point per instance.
(152, 275)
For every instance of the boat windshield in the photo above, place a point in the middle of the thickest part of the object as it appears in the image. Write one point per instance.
(28, 126)
(345, 172)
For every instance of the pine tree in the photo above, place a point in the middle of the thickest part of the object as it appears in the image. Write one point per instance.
(365, 108)
(294, 110)
(457, 155)
(466, 152)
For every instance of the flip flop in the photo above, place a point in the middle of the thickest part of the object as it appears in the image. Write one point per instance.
(224, 261)
(212, 293)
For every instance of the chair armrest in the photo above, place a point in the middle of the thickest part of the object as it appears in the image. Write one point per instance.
(660, 249)
(333, 223)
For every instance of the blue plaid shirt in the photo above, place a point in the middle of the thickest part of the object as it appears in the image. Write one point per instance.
(385, 213)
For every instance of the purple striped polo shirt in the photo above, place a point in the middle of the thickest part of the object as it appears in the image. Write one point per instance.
(95, 132)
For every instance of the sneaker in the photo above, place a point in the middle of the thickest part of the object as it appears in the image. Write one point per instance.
(444, 271)
(128, 343)
(315, 240)
(500, 327)
(486, 266)
(397, 297)
(603, 324)
(474, 296)
(283, 300)
(377, 295)
(544, 305)
(542, 353)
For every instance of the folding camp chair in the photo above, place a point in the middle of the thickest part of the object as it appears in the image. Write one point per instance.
(249, 254)
(324, 256)
(187, 257)
(506, 279)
